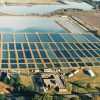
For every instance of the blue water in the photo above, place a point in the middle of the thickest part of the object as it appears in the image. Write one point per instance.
(44, 38)
(28, 24)
(20, 38)
(8, 37)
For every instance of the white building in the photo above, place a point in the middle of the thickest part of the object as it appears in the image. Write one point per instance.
(91, 73)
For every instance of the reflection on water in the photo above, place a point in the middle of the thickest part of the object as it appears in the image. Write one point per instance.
(42, 9)
(28, 24)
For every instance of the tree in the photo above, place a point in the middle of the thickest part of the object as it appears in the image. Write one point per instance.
(36, 88)
(57, 88)
(59, 97)
(68, 86)
(2, 97)
(20, 98)
(5, 80)
(74, 98)
(74, 88)
(17, 80)
(49, 87)
(97, 88)
(10, 81)
(30, 88)
(37, 97)
(17, 83)
(79, 82)
(47, 96)
(88, 86)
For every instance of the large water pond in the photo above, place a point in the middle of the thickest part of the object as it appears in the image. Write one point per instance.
(42, 9)
(28, 24)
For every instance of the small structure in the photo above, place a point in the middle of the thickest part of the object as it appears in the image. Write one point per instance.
(51, 79)
(37, 70)
(57, 70)
(91, 73)
(76, 71)
(70, 74)
(64, 16)
(15, 71)
(48, 70)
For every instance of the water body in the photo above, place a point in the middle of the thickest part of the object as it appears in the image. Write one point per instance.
(28, 24)
(42, 9)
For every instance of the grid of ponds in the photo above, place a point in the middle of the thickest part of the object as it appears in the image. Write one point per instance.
(46, 50)
(72, 25)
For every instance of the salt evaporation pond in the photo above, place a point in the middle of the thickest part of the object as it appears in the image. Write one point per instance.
(28, 24)
(42, 9)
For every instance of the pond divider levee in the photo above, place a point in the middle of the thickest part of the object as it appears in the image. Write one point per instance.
(71, 26)
(61, 1)
(84, 24)
(62, 26)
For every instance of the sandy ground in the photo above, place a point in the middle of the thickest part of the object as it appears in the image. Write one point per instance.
(26, 80)
(4, 87)
(92, 18)
(93, 80)
(33, 1)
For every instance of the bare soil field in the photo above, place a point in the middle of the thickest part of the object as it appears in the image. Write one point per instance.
(4, 88)
(26, 80)
(92, 18)
(86, 78)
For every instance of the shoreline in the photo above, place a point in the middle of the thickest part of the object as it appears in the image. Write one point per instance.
(29, 3)
(60, 12)
(91, 17)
